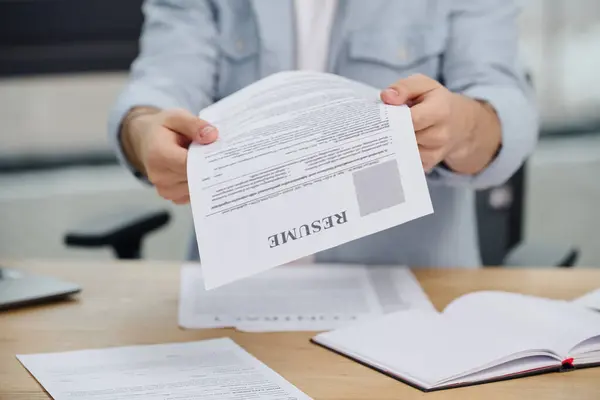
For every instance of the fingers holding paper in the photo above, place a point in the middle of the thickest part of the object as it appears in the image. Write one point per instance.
(438, 116)
(159, 141)
(188, 126)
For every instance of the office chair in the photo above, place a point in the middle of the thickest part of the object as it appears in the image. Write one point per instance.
(500, 218)
(123, 231)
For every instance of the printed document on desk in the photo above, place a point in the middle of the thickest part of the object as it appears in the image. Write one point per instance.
(210, 369)
(304, 162)
(316, 297)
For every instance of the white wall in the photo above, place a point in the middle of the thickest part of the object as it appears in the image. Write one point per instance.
(56, 114)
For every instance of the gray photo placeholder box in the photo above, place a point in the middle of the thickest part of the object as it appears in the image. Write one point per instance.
(378, 187)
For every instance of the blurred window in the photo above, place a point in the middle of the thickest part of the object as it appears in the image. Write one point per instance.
(561, 47)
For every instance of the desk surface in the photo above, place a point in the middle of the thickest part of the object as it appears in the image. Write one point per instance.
(135, 303)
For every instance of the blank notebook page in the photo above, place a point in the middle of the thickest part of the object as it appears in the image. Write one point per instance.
(425, 347)
(554, 324)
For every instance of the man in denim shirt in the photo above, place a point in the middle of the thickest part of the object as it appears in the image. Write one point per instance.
(454, 62)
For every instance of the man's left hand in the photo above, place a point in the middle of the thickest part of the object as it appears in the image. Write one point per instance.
(446, 124)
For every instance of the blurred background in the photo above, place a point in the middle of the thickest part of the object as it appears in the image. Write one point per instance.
(62, 63)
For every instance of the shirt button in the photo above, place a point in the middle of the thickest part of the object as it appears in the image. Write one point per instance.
(239, 45)
(402, 54)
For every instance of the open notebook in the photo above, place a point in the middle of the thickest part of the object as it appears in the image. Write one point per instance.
(480, 337)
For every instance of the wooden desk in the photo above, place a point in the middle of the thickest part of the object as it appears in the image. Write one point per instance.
(135, 303)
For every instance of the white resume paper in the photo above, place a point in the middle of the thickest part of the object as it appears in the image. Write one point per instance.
(216, 369)
(315, 297)
(304, 162)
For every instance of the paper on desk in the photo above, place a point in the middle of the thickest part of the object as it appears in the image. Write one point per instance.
(298, 297)
(589, 300)
(304, 162)
(216, 369)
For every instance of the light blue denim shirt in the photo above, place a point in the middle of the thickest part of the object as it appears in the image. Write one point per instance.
(195, 52)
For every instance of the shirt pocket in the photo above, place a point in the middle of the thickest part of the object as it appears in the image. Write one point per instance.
(238, 63)
(380, 58)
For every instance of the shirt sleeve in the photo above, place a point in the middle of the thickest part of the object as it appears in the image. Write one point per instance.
(176, 66)
(481, 62)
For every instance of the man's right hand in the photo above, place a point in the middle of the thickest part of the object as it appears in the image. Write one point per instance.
(156, 143)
